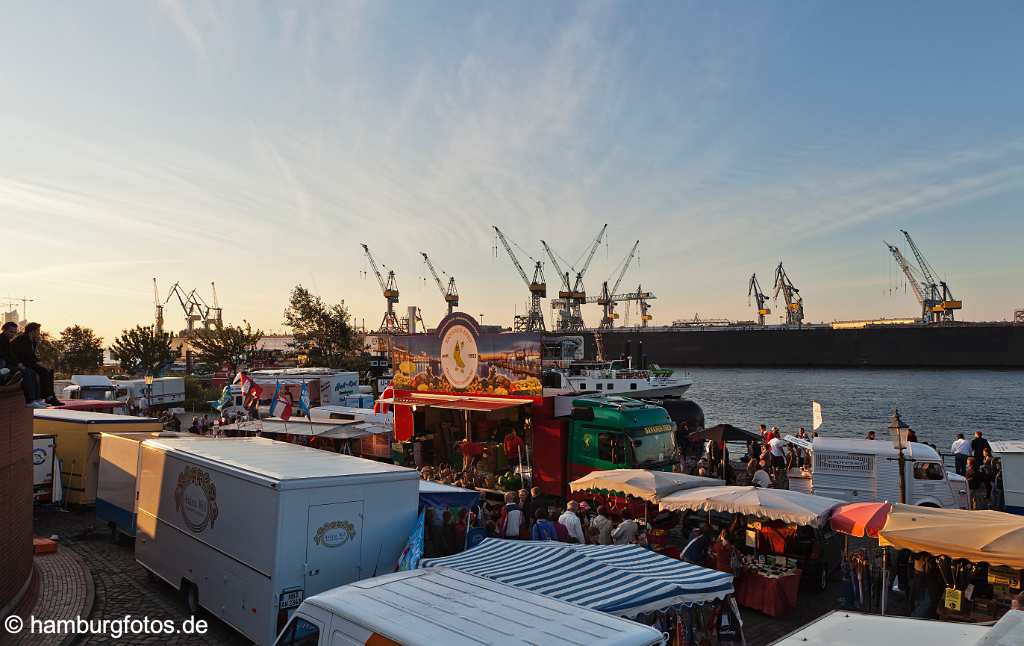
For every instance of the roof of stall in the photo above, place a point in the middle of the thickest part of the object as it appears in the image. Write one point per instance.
(992, 537)
(773, 504)
(648, 485)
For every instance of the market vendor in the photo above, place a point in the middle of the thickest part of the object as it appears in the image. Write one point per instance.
(471, 453)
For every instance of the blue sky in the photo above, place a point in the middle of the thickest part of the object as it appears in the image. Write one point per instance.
(256, 144)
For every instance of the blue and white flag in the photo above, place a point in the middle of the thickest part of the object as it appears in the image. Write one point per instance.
(225, 398)
(304, 399)
(413, 551)
(273, 400)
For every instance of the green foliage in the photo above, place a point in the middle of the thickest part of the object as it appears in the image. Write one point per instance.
(322, 332)
(198, 395)
(228, 347)
(79, 351)
(142, 350)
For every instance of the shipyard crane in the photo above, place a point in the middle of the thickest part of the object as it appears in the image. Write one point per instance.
(158, 318)
(571, 300)
(389, 324)
(944, 305)
(928, 305)
(794, 302)
(533, 320)
(215, 316)
(608, 299)
(192, 306)
(754, 290)
(563, 304)
(450, 294)
(640, 297)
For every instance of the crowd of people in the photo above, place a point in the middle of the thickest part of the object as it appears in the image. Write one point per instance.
(984, 472)
(20, 364)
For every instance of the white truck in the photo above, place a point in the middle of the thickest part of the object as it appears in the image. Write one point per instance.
(868, 470)
(442, 606)
(118, 472)
(249, 527)
(326, 385)
(165, 392)
(44, 456)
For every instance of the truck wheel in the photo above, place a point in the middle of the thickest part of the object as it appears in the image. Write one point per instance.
(192, 598)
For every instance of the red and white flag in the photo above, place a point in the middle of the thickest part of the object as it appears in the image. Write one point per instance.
(252, 392)
(381, 407)
(284, 401)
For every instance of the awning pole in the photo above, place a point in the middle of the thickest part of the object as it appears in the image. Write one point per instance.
(885, 580)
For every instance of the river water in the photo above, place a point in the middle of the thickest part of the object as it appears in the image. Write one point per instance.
(937, 404)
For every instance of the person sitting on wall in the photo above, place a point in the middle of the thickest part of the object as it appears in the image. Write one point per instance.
(9, 373)
(24, 347)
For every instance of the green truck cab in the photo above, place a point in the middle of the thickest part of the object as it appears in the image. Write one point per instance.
(609, 432)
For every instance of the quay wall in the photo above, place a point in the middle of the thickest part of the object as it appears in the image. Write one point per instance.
(15, 494)
(919, 346)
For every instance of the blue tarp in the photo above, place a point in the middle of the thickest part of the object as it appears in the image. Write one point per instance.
(435, 494)
(618, 579)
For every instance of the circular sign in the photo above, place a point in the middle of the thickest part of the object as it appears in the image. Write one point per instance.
(459, 356)
(38, 456)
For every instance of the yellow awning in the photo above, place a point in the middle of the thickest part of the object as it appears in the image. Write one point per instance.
(990, 537)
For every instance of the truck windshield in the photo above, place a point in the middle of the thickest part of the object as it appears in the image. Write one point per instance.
(651, 449)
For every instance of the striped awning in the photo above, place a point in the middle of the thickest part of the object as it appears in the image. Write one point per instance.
(621, 580)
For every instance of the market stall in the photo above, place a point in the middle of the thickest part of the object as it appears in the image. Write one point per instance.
(968, 565)
(624, 580)
(864, 565)
(780, 535)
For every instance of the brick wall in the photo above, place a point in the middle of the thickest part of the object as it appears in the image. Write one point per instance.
(15, 493)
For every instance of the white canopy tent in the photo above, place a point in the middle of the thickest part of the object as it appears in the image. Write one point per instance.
(641, 483)
(773, 504)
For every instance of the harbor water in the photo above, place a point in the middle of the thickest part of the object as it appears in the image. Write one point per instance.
(937, 404)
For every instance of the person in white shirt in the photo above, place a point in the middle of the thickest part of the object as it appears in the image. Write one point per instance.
(961, 449)
(778, 449)
(601, 527)
(627, 531)
(761, 477)
(513, 517)
(571, 521)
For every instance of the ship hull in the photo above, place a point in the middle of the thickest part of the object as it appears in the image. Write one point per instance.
(919, 346)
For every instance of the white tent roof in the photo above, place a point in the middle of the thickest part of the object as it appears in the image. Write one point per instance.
(840, 628)
(648, 485)
(773, 504)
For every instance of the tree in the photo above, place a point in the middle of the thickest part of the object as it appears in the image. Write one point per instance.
(323, 332)
(228, 347)
(79, 351)
(143, 350)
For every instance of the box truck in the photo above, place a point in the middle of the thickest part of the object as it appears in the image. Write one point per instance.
(452, 608)
(116, 481)
(44, 459)
(868, 470)
(249, 527)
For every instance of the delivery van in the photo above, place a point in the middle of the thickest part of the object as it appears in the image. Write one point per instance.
(249, 527)
(868, 470)
(442, 606)
(115, 489)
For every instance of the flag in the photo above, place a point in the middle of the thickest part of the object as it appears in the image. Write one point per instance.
(252, 392)
(413, 551)
(815, 416)
(304, 399)
(225, 399)
(383, 407)
(273, 400)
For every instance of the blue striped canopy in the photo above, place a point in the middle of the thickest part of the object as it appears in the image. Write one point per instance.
(621, 580)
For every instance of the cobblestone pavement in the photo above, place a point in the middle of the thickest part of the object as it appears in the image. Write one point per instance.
(122, 586)
(61, 589)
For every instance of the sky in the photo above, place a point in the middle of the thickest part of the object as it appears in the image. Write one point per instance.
(256, 144)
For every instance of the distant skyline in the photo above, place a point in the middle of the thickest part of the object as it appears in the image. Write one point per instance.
(256, 145)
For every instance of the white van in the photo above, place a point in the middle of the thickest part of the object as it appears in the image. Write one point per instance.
(1011, 453)
(249, 527)
(868, 470)
(446, 607)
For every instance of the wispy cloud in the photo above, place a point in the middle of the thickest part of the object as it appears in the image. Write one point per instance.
(178, 13)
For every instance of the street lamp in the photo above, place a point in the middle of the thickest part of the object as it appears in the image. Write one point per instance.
(149, 391)
(898, 431)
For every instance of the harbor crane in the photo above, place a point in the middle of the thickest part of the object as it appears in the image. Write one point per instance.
(574, 296)
(608, 299)
(754, 290)
(389, 324)
(640, 297)
(194, 308)
(790, 294)
(533, 320)
(934, 296)
(450, 294)
(215, 316)
(158, 318)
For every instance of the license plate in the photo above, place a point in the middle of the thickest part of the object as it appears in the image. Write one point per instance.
(290, 599)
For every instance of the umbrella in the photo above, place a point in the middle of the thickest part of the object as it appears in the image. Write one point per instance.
(648, 485)
(860, 519)
(774, 504)
(991, 537)
(725, 432)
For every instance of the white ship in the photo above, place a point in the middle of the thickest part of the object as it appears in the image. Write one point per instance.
(618, 378)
